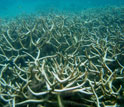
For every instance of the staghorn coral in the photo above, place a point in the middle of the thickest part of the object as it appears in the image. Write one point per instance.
(58, 60)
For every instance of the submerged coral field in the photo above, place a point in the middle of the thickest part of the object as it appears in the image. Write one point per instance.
(63, 59)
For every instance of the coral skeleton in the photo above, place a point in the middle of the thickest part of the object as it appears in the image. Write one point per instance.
(58, 60)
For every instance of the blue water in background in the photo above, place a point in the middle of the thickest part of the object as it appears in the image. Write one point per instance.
(11, 8)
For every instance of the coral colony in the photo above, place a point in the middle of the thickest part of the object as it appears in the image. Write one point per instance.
(63, 60)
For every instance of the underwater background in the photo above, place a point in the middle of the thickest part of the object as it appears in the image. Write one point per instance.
(61, 53)
(9, 8)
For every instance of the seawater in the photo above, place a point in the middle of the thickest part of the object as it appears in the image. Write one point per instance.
(12, 8)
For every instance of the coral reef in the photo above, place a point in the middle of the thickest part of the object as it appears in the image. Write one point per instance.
(63, 60)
